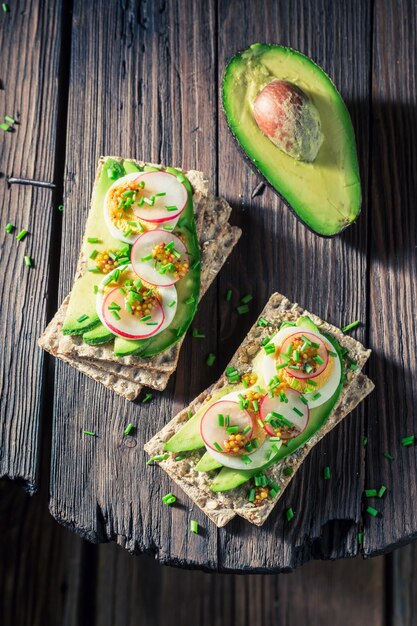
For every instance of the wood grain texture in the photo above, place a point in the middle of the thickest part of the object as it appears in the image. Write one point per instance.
(402, 586)
(143, 73)
(327, 276)
(30, 50)
(393, 276)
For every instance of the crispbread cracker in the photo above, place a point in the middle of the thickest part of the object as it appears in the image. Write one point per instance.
(221, 507)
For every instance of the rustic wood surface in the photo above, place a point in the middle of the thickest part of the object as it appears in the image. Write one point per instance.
(142, 80)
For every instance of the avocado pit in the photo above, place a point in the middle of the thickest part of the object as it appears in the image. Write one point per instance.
(287, 117)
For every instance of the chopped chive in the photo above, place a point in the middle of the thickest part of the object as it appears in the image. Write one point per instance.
(327, 473)
(93, 254)
(304, 400)
(94, 240)
(171, 208)
(157, 458)
(255, 405)
(5, 127)
(318, 359)
(128, 307)
(145, 318)
(95, 289)
(148, 257)
(141, 184)
(246, 298)
(127, 232)
(381, 491)
(171, 304)
(89, 432)
(360, 538)
(9, 228)
(229, 295)
(114, 307)
(370, 493)
(316, 396)
(311, 382)
(220, 420)
(351, 326)
(227, 420)
(210, 359)
(269, 348)
(189, 414)
(296, 410)
(251, 496)
(94, 270)
(273, 493)
(128, 429)
(169, 499)
(232, 430)
(82, 318)
(388, 456)
(308, 368)
(246, 459)
(330, 353)
(408, 441)
(275, 439)
(180, 457)
(147, 398)
(168, 227)
(28, 261)
(20, 236)
(372, 511)
(5, 9)
(194, 527)
(160, 194)
(149, 201)
(365, 441)
(262, 322)
(243, 308)
(246, 430)
(289, 513)
(115, 315)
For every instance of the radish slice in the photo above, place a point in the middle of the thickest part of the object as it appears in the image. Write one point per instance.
(263, 455)
(145, 266)
(213, 433)
(129, 326)
(293, 411)
(165, 208)
(322, 354)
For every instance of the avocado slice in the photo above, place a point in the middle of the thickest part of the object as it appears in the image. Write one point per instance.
(81, 317)
(323, 191)
(229, 478)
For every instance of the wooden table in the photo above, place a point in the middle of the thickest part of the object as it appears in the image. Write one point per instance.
(142, 80)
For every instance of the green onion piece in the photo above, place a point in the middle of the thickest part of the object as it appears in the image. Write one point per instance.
(210, 359)
(20, 236)
(127, 232)
(189, 414)
(5, 9)
(168, 227)
(370, 493)
(9, 228)
(5, 127)
(114, 307)
(128, 429)
(232, 430)
(93, 270)
(149, 201)
(318, 359)
(289, 513)
(246, 459)
(300, 413)
(28, 261)
(388, 456)
(255, 405)
(169, 499)
(311, 382)
(274, 438)
(89, 432)
(229, 295)
(316, 396)
(217, 446)
(360, 538)
(147, 398)
(273, 493)
(157, 458)
(246, 298)
(171, 304)
(94, 240)
(148, 257)
(93, 254)
(220, 419)
(95, 289)
(82, 318)
(115, 315)
(142, 184)
(248, 446)
(160, 194)
(351, 326)
(180, 457)
(304, 400)
(262, 322)
(381, 491)
(243, 308)
(194, 527)
(227, 420)
(372, 511)
(334, 354)
(171, 208)
(251, 496)
(365, 441)
(408, 441)
(327, 473)
(269, 348)
(246, 430)
(145, 318)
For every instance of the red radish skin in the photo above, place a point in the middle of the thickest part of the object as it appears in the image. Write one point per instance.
(210, 430)
(114, 295)
(138, 252)
(140, 212)
(322, 351)
(287, 116)
(264, 410)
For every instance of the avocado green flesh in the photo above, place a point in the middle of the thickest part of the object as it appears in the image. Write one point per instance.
(324, 194)
(83, 299)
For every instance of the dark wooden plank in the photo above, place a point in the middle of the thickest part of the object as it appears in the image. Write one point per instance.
(402, 586)
(393, 276)
(326, 276)
(30, 50)
(145, 75)
(139, 591)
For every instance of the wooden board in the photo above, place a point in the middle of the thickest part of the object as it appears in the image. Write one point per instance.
(30, 50)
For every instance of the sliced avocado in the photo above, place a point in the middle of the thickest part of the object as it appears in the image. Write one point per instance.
(189, 437)
(323, 191)
(229, 478)
(307, 322)
(207, 464)
(100, 334)
(83, 300)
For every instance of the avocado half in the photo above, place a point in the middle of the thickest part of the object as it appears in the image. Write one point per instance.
(324, 193)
